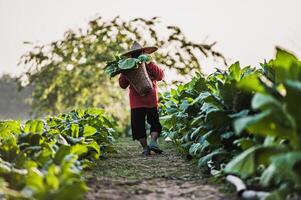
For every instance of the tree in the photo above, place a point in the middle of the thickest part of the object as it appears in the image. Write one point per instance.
(69, 72)
(13, 104)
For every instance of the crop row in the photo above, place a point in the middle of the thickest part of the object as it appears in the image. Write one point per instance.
(242, 121)
(44, 159)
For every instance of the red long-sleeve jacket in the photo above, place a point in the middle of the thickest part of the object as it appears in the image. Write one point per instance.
(150, 100)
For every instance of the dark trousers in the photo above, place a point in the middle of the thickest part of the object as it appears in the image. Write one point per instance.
(138, 121)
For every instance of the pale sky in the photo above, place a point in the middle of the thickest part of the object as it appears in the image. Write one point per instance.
(246, 30)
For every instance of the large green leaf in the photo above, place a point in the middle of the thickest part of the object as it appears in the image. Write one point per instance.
(235, 72)
(35, 183)
(146, 58)
(285, 166)
(273, 121)
(247, 163)
(251, 83)
(286, 66)
(228, 92)
(168, 121)
(7, 128)
(215, 117)
(75, 130)
(212, 137)
(292, 99)
(89, 130)
(128, 63)
(197, 84)
(61, 153)
(34, 126)
(266, 124)
(79, 149)
(266, 102)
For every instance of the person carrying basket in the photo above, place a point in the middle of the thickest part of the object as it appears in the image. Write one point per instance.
(144, 106)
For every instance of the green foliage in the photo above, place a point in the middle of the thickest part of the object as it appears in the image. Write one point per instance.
(246, 164)
(206, 108)
(14, 104)
(242, 121)
(44, 159)
(120, 65)
(68, 73)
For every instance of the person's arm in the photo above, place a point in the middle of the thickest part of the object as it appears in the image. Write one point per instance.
(157, 72)
(123, 82)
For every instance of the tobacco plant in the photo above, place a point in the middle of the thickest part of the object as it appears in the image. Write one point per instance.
(44, 159)
(242, 121)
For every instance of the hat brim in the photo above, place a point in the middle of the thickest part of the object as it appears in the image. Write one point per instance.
(147, 50)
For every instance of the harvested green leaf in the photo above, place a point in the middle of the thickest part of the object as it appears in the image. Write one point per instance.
(121, 64)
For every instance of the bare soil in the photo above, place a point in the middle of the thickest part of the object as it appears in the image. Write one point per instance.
(129, 175)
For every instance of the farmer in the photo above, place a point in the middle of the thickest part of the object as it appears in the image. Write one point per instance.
(144, 106)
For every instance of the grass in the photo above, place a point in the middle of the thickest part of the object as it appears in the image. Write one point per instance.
(130, 164)
(128, 170)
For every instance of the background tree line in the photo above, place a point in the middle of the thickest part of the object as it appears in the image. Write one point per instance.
(68, 73)
(14, 104)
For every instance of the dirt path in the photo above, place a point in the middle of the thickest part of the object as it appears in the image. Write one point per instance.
(129, 175)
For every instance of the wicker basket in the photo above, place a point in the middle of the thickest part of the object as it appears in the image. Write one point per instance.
(140, 80)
